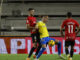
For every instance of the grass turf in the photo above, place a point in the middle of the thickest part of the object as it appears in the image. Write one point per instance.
(24, 56)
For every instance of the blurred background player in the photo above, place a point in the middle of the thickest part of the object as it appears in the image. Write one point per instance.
(70, 34)
(44, 35)
(31, 22)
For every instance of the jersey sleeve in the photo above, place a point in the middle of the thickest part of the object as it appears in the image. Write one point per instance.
(27, 21)
(39, 24)
(63, 24)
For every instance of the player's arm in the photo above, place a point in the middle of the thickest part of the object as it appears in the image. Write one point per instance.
(37, 26)
(61, 29)
(28, 24)
(29, 27)
(78, 29)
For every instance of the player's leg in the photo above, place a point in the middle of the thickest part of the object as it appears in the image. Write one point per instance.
(32, 50)
(66, 47)
(59, 49)
(72, 43)
(67, 43)
(41, 51)
(58, 44)
(38, 49)
(34, 46)
(39, 44)
(43, 42)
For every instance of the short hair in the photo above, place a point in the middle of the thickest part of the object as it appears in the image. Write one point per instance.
(69, 14)
(31, 9)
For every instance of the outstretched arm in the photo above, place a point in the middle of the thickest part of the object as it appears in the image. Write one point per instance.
(61, 31)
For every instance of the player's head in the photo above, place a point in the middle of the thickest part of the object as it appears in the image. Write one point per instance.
(45, 18)
(69, 14)
(31, 11)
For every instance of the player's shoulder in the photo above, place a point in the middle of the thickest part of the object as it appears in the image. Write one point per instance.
(65, 20)
(28, 17)
(74, 20)
(40, 22)
(69, 20)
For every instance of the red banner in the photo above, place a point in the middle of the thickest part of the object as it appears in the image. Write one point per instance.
(22, 45)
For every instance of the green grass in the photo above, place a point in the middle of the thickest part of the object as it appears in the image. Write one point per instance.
(24, 56)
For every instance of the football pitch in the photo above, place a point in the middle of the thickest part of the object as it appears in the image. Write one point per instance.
(24, 56)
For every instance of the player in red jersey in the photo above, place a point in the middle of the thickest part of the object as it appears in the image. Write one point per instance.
(69, 25)
(31, 22)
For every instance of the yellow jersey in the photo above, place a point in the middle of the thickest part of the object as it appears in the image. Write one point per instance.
(42, 29)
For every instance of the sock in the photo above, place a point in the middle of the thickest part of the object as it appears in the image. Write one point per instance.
(66, 50)
(38, 49)
(32, 50)
(40, 52)
(59, 48)
(71, 52)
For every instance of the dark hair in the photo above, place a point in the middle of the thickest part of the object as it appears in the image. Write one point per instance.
(69, 14)
(30, 9)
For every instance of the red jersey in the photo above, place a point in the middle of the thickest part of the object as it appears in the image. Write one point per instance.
(70, 26)
(32, 22)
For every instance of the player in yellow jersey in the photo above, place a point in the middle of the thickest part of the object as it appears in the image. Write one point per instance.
(44, 35)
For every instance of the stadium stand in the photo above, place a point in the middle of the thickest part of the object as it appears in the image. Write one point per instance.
(56, 12)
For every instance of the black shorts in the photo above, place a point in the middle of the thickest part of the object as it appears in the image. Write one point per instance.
(35, 36)
(69, 43)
